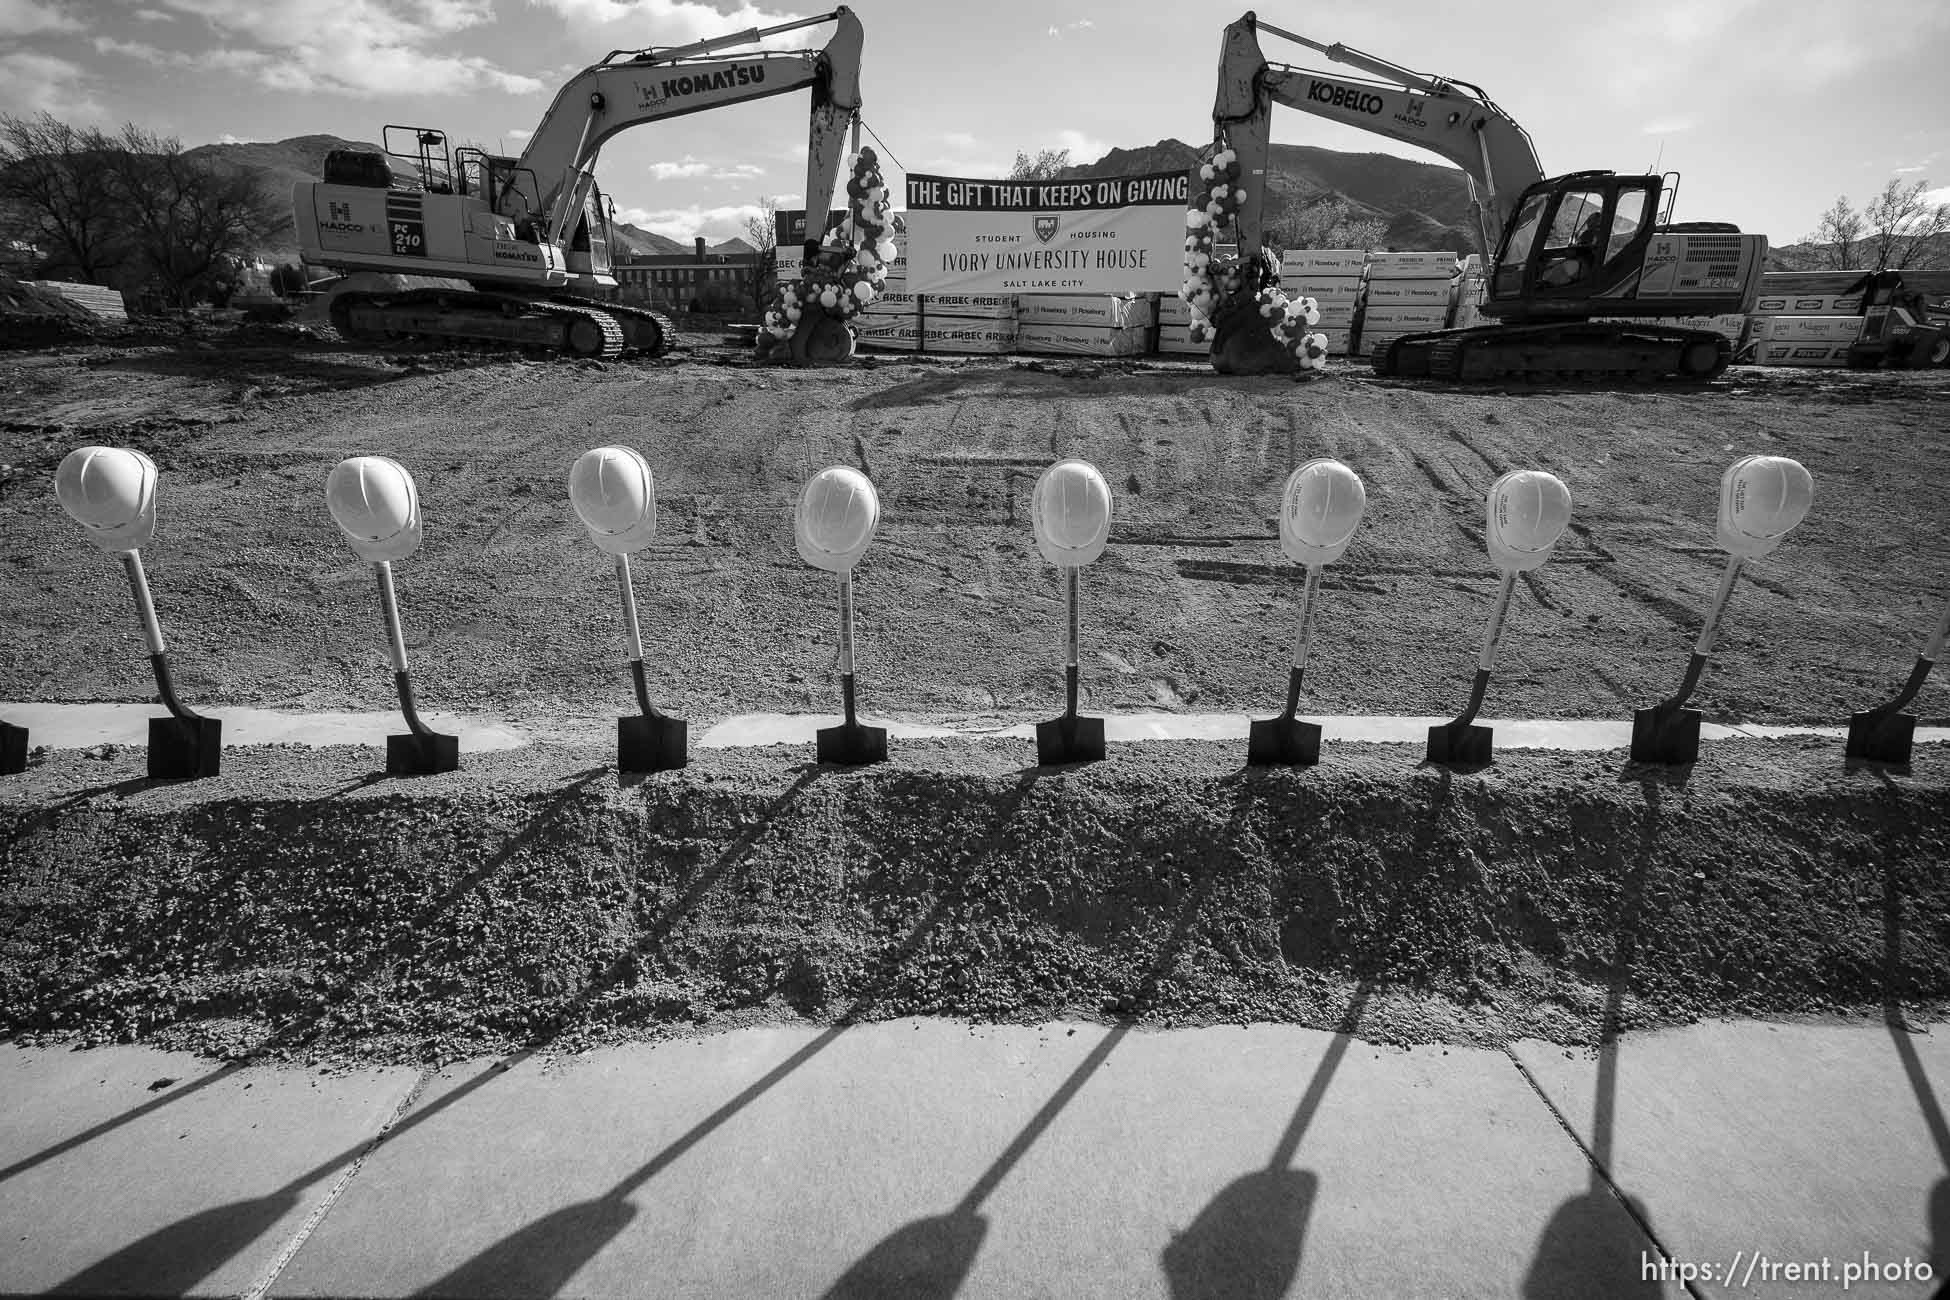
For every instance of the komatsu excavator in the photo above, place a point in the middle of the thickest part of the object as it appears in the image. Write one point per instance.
(1558, 253)
(529, 235)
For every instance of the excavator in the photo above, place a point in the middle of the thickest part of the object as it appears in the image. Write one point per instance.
(1559, 253)
(529, 235)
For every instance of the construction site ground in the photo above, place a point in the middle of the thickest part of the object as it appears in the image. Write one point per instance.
(300, 905)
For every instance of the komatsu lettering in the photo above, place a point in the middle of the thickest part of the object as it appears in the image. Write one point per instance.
(724, 80)
(1361, 101)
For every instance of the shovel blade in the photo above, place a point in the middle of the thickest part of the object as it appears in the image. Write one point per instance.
(1282, 742)
(647, 744)
(411, 754)
(852, 746)
(1881, 737)
(184, 749)
(13, 749)
(1069, 739)
(1462, 746)
(1668, 736)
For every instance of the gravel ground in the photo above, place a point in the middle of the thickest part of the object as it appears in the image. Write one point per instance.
(302, 907)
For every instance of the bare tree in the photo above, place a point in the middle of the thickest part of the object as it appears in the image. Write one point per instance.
(1044, 166)
(1904, 228)
(58, 183)
(762, 233)
(190, 220)
(1836, 237)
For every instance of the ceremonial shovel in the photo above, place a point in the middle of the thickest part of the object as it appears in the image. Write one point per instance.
(376, 505)
(1070, 511)
(615, 496)
(1528, 511)
(111, 493)
(1762, 500)
(834, 523)
(1319, 510)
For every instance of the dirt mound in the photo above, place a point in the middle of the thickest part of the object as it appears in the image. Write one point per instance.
(33, 317)
(299, 905)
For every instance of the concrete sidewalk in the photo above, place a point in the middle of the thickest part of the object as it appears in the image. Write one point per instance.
(922, 1158)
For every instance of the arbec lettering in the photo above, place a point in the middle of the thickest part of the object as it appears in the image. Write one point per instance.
(1322, 92)
(724, 79)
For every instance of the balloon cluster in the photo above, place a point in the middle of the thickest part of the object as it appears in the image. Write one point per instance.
(860, 246)
(1215, 286)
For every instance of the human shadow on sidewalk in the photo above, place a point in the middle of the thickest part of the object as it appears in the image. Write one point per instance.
(930, 1258)
(1597, 1243)
(174, 1259)
(541, 1258)
(1247, 1242)
(1936, 1207)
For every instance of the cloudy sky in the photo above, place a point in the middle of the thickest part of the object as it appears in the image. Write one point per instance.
(1770, 108)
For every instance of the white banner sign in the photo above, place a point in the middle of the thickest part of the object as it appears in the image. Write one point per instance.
(1089, 234)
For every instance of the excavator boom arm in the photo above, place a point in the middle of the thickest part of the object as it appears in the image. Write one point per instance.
(1468, 130)
(613, 96)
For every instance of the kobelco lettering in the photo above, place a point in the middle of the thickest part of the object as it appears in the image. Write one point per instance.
(1322, 92)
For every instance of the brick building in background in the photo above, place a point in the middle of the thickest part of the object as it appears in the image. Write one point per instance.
(719, 279)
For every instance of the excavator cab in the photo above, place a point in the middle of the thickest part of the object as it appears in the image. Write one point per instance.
(1575, 239)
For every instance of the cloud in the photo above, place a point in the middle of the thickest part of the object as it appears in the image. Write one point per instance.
(716, 224)
(349, 46)
(130, 49)
(227, 138)
(671, 171)
(32, 17)
(1083, 148)
(1901, 170)
(1934, 197)
(958, 139)
(154, 16)
(31, 82)
(1668, 126)
(679, 22)
(517, 133)
(1081, 24)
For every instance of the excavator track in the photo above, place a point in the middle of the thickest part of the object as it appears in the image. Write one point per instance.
(1577, 351)
(645, 332)
(479, 316)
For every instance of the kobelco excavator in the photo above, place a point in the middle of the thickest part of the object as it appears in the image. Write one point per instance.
(1558, 253)
(529, 235)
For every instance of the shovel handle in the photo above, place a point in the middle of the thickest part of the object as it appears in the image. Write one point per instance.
(1704, 646)
(1486, 659)
(1305, 633)
(145, 608)
(632, 633)
(846, 624)
(389, 608)
(1933, 648)
(1071, 599)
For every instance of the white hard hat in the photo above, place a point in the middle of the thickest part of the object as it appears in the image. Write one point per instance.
(1762, 500)
(1070, 510)
(835, 520)
(1319, 511)
(615, 496)
(1528, 511)
(376, 506)
(110, 492)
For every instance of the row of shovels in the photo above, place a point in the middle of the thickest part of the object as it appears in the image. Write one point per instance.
(111, 492)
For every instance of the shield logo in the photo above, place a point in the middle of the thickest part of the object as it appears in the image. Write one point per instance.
(1046, 227)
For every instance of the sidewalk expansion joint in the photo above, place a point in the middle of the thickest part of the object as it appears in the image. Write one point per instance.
(263, 1285)
(1597, 1168)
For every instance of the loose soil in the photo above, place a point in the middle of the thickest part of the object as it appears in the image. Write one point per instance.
(299, 905)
